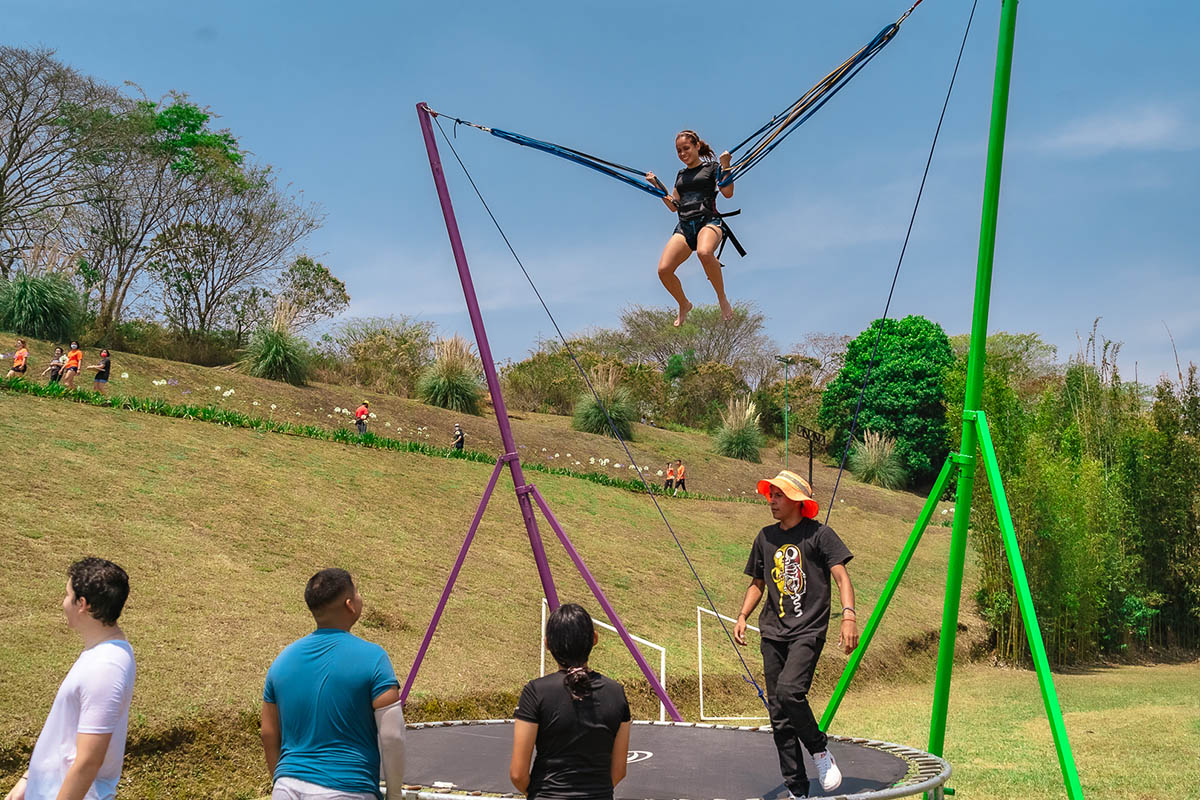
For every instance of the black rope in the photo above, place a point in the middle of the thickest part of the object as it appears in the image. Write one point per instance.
(912, 220)
(749, 677)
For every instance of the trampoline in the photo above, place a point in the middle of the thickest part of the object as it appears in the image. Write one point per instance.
(667, 761)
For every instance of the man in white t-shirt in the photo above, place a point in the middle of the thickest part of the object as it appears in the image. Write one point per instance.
(79, 752)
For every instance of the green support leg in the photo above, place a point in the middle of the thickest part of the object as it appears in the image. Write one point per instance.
(1066, 760)
(885, 598)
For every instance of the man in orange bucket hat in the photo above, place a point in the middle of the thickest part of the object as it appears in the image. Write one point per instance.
(791, 563)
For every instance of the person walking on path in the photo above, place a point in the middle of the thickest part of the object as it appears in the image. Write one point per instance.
(460, 440)
(56, 366)
(71, 366)
(577, 719)
(361, 415)
(669, 483)
(82, 744)
(680, 477)
(791, 563)
(102, 370)
(19, 365)
(330, 700)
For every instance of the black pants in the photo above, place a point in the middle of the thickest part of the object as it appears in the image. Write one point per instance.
(362, 426)
(788, 668)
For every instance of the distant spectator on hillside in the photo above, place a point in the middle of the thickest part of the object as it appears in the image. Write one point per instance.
(329, 701)
(669, 483)
(460, 440)
(56, 366)
(102, 370)
(80, 749)
(680, 477)
(19, 358)
(71, 366)
(360, 417)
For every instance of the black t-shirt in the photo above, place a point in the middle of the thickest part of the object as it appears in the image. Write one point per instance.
(795, 566)
(105, 368)
(574, 738)
(697, 187)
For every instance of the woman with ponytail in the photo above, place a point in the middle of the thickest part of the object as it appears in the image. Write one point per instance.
(694, 199)
(577, 718)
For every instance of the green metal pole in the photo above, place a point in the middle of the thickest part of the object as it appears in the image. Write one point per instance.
(889, 590)
(966, 455)
(1066, 760)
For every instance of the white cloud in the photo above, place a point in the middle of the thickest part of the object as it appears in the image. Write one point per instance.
(1145, 128)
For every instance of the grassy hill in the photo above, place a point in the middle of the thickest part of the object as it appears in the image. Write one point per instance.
(219, 528)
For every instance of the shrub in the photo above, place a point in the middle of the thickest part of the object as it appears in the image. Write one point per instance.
(874, 460)
(548, 381)
(453, 380)
(739, 436)
(44, 306)
(275, 352)
(703, 392)
(383, 354)
(590, 416)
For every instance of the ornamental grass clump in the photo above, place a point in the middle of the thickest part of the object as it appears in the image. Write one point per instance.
(874, 460)
(590, 416)
(275, 352)
(454, 380)
(45, 306)
(739, 435)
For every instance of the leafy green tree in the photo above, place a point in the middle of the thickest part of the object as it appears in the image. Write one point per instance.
(703, 393)
(313, 289)
(905, 398)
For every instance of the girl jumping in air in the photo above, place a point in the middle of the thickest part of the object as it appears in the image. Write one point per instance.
(694, 198)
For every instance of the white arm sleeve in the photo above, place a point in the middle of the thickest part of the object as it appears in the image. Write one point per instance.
(389, 721)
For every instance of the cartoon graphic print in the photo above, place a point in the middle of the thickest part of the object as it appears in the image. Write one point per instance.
(789, 579)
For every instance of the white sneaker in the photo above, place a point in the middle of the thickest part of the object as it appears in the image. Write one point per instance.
(792, 796)
(827, 771)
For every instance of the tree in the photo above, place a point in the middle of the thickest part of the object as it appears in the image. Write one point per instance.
(385, 354)
(313, 290)
(233, 237)
(40, 152)
(905, 398)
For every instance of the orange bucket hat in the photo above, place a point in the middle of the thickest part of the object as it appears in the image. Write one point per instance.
(794, 488)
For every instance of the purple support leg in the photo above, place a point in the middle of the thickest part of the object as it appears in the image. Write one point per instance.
(462, 556)
(485, 356)
(659, 689)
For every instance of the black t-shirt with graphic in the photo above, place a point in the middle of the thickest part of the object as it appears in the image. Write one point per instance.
(105, 369)
(795, 566)
(697, 187)
(574, 738)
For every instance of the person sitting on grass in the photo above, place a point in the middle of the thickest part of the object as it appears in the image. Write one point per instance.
(56, 366)
(82, 745)
(577, 718)
(102, 370)
(792, 561)
(71, 366)
(19, 358)
(330, 701)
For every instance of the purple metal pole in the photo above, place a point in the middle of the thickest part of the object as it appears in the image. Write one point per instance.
(462, 557)
(485, 356)
(659, 689)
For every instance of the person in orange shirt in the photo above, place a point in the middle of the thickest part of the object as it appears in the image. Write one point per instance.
(71, 368)
(680, 477)
(669, 484)
(361, 415)
(19, 359)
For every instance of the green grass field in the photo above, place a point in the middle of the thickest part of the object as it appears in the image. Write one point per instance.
(219, 528)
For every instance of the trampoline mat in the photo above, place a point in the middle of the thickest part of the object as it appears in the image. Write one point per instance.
(665, 761)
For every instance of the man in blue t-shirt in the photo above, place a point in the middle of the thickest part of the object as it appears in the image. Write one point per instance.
(320, 699)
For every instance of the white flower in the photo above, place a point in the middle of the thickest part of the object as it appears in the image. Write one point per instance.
(297, 413)
(568, 455)
(273, 407)
(592, 460)
(371, 415)
(944, 511)
(329, 415)
(660, 473)
(556, 455)
(254, 403)
(216, 388)
(226, 393)
(543, 449)
(388, 424)
(618, 466)
(124, 374)
(337, 409)
(231, 391)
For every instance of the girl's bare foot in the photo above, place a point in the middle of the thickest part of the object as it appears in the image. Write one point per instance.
(683, 312)
(726, 310)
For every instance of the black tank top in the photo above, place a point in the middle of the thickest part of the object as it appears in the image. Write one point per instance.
(697, 187)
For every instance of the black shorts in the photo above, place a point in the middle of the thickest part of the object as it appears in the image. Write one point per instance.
(690, 228)
(54, 375)
(20, 370)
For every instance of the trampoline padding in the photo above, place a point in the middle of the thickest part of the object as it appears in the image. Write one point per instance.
(666, 761)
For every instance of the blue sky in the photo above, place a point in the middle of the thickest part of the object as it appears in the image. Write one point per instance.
(1098, 206)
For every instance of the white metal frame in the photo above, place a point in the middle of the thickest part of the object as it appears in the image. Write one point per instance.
(662, 653)
(700, 660)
